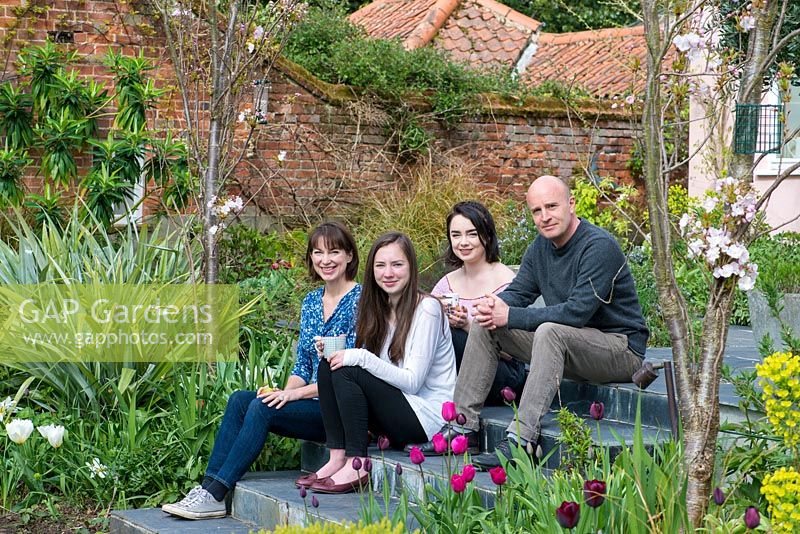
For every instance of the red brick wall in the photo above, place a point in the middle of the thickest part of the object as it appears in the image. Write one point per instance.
(338, 147)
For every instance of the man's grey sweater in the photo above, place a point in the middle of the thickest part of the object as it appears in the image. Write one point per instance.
(585, 283)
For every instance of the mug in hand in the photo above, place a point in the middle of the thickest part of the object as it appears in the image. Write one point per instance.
(331, 344)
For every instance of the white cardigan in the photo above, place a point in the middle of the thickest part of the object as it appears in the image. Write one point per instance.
(427, 373)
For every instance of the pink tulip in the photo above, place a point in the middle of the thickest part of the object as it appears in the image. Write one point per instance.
(459, 444)
(468, 473)
(458, 483)
(449, 411)
(416, 456)
(439, 443)
(498, 475)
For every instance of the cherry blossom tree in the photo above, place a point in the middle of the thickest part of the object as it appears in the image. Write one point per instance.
(688, 57)
(222, 53)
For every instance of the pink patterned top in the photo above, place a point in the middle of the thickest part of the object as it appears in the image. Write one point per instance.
(442, 287)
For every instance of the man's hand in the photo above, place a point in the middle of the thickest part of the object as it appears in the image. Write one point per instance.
(491, 312)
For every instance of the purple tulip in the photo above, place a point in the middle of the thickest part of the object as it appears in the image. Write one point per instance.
(416, 456)
(498, 475)
(383, 443)
(356, 463)
(367, 465)
(449, 411)
(461, 419)
(751, 517)
(468, 473)
(303, 492)
(594, 492)
(459, 444)
(314, 501)
(568, 514)
(398, 469)
(596, 410)
(719, 496)
(508, 395)
(439, 443)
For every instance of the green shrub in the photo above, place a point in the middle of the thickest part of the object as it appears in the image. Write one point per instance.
(381, 527)
(778, 260)
(245, 252)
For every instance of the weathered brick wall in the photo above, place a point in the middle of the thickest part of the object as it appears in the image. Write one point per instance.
(338, 147)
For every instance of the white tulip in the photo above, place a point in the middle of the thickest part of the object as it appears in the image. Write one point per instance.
(19, 430)
(97, 469)
(53, 433)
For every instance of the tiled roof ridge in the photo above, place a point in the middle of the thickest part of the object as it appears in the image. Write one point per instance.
(588, 35)
(510, 14)
(430, 26)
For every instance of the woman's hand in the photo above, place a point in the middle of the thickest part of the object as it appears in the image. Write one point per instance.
(336, 360)
(457, 316)
(277, 398)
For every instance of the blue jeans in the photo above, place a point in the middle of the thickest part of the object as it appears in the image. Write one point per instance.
(247, 423)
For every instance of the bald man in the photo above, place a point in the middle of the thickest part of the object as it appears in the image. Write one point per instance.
(591, 328)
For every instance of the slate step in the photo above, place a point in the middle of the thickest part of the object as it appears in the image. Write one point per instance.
(154, 521)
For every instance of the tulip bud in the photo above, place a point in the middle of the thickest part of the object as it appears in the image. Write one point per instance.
(498, 475)
(416, 456)
(459, 444)
(596, 410)
(439, 443)
(449, 411)
(356, 463)
(719, 496)
(314, 501)
(751, 517)
(303, 492)
(383, 443)
(457, 483)
(468, 473)
(594, 492)
(461, 419)
(398, 469)
(568, 514)
(367, 465)
(508, 395)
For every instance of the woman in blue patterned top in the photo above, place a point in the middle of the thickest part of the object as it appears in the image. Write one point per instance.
(332, 258)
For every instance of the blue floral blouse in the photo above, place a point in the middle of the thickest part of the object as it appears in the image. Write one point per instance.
(341, 321)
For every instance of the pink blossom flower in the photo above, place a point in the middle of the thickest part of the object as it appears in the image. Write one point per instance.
(416, 456)
(468, 473)
(449, 411)
(457, 483)
(498, 475)
(459, 444)
(439, 443)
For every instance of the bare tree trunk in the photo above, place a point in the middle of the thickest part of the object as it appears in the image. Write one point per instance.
(702, 425)
(671, 300)
(210, 186)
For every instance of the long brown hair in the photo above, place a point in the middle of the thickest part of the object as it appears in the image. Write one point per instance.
(374, 307)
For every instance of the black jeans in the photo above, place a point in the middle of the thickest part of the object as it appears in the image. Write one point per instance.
(510, 373)
(353, 402)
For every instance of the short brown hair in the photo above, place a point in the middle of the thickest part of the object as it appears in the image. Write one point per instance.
(334, 235)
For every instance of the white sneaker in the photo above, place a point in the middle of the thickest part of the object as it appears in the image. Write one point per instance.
(198, 504)
(189, 496)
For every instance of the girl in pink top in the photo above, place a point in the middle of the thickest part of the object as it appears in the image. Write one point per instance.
(474, 253)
